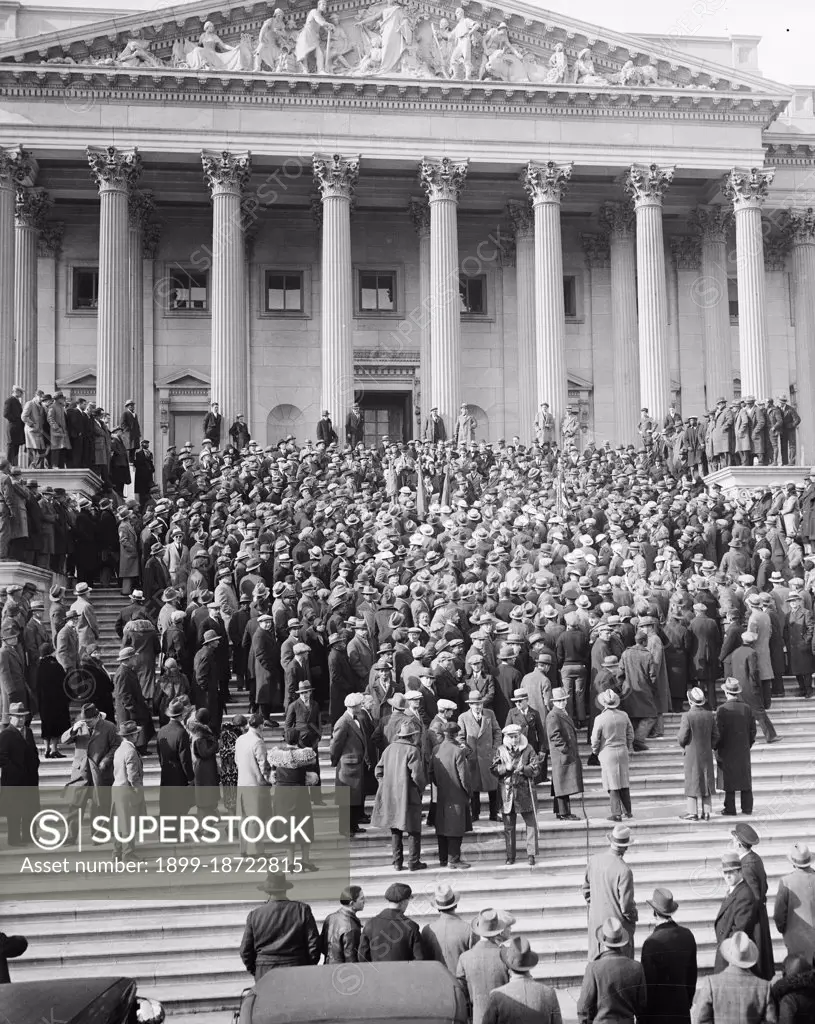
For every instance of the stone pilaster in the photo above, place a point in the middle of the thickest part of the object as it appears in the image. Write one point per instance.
(647, 186)
(227, 175)
(799, 228)
(546, 184)
(15, 170)
(619, 221)
(747, 191)
(442, 181)
(419, 210)
(336, 178)
(523, 228)
(31, 207)
(49, 249)
(115, 173)
(140, 208)
(710, 294)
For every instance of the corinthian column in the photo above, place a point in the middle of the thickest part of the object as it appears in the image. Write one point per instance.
(546, 184)
(523, 227)
(336, 178)
(420, 215)
(619, 219)
(799, 228)
(16, 167)
(31, 207)
(140, 207)
(710, 292)
(115, 172)
(442, 181)
(647, 186)
(227, 175)
(747, 191)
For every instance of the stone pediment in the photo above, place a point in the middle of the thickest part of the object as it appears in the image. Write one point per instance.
(487, 42)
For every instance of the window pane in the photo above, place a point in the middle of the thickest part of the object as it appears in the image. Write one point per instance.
(386, 289)
(188, 289)
(294, 299)
(570, 296)
(367, 291)
(471, 291)
(275, 291)
(86, 288)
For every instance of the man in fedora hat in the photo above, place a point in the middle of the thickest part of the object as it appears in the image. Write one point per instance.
(734, 995)
(739, 909)
(608, 889)
(280, 933)
(449, 935)
(303, 719)
(19, 774)
(398, 803)
(128, 699)
(480, 969)
(176, 795)
(613, 986)
(668, 959)
(698, 735)
(390, 935)
(342, 930)
(736, 726)
(480, 731)
(95, 741)
(564, 754)
(207, 679)
(744, 665)
(612, 740)
(127, 790)
(451, 777)
(744, 838)
(298, 671)
(523, 999)
(794, 912)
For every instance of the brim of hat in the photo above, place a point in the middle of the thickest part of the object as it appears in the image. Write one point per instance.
(741, 963)
(282, 886)
(663, 913)
(800, 863)
(487, 933)
(446, 906)
(611, 945)
(617, 842)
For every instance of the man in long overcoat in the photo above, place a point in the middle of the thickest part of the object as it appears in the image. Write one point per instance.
(698, 736)
(564, 756)
(739, 908)
(142, 636)
(265, 658)
(794, 911)
(744, 839)
(609, 891)
(668, 959)
(638, 676)
(398, 803)
(128, 552)
(480, 731)
(798, 630)
(348, 752)
(736, 725)
(95, 741)
(744, 666)
(129, 701)
(808, 512)
(176, 794)
(705, 643)
(341, 678)
(451, 777)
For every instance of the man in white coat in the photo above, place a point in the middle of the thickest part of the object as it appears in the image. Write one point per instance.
(609, 891)
(254, 778)
(794, 912)
(127, 792)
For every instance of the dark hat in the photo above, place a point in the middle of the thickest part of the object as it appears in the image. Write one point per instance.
(397, 892)
(663, 902)
(128, 728)
(275, 883)
(746, 834)
(88, 712)
(518, 955)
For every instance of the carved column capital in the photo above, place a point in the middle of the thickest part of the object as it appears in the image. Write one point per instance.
(49, 241)
(747, 189)
(712, 222)
(419, 210)
(114, 169)
(226, 173)
(596, 251)
(31, 207)
(799, 226)
(18, 168)
(776, 250)
(618, 219)
(522, 218)
(546, 183)
(686, 252)
(336, 176)
(647, 185)
(140, 205)
(443, 179)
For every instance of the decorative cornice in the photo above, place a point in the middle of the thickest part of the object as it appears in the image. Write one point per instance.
(336, 176)
(546, 183)
(712, 222)
(31, 207)
(619, 219)
(443, 179)
(419, 210)
(140, 205)
(686, 252)
(18, 168)
(793, 154)
(596, 250)
(776, 250)
(226, 173)
(747, 189)
(114, 169)
(647, 185)
(49, 240)
(799, 226)
(522, 218)
(151, 236)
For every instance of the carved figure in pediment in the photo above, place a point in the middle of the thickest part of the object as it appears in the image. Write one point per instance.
(136, 54)
(558, 66)
(506, 67)
(585, 73)
(212, 54)
(337, 53)
(631, 74)
(274, 40)
(442, 48)
(393, 23)
(461, 50)
(314, 39)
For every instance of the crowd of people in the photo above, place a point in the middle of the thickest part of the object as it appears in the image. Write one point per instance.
(456, 612)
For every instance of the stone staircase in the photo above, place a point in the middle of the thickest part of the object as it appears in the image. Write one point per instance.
(107, 603)
(184, 952)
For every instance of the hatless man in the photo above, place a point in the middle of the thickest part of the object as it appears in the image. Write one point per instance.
(213, 422)
(15, 431)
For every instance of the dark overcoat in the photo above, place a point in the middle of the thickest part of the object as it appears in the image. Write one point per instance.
(755, 876)
(669, 960)
(401, 776)
(564, 754)
(736, 725)
(737, 913)
(798, 640)
(347, 751)
(452, 779)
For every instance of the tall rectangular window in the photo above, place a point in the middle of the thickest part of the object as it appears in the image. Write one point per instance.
(85, 288)
(284, 291)
(570, 296)
(377, 291)
(473, 295)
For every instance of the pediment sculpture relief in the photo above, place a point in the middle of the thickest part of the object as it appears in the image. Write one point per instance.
(390, 38)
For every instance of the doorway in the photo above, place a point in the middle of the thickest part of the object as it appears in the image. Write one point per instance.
(387, 414)
(187, 426)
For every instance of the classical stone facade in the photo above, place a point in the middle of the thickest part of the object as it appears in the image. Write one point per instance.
(411, 205)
